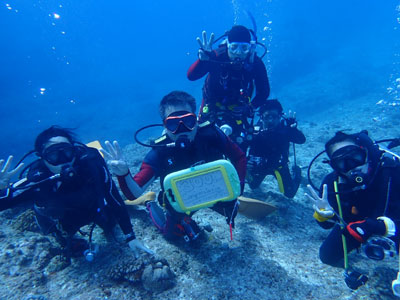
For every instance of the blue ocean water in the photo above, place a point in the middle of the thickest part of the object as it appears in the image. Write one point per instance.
(102, 67)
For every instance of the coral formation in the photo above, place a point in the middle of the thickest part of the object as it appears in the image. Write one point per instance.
(154, 273)
(26, 222)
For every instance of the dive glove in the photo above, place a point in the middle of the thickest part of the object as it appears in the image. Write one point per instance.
(363, 230)
(205, 46)
(5, 174)
(114, 159)
(291, 119)
(137, 245)
(254, 161)
(323, 210)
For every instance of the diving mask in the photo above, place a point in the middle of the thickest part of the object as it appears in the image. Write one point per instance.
(180, 121)
(347, 158)
(270, 119)
(239, 47)
(58, 154)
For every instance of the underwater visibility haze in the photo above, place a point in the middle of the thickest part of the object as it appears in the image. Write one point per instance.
(102, 67)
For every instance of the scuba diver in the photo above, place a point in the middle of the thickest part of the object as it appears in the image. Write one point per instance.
(70, 187)
(359, 201)
(269, 149)
(186, 143)
(234, 71)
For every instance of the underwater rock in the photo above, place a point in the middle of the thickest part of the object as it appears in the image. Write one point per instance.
(23, 254)
(130, 271)
(154, 273)
(38, 278)
(43, 259)
(381, 280)
(26, 222)
(56, 264)
(157, 276)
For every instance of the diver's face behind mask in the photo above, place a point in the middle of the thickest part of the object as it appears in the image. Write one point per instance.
(58, 153)
(238, 51)
(180, 123)
(350, 161)
(270, 119)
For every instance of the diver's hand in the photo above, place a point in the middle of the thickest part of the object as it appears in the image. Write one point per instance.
(138, 246)
(291, 119)
(254, 161)
(361, 231)
(205, 46)
(321, 204)
(114, 159)
(5, 174)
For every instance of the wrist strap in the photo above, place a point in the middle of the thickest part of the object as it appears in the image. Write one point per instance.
(390, 226)
(320, 218)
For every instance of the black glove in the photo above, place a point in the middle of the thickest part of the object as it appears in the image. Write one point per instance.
(291, 122)
(254, 161)
(362, 230)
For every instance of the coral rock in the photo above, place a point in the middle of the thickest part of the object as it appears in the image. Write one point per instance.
(157, 276)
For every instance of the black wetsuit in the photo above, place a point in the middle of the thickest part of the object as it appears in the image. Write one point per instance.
(63, 206)
(210, 144)
(380, 198)
(268, 155)
(228, 90)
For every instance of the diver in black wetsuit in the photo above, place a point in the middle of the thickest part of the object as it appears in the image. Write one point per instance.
(269, 149)
(234, 73)
(193, 143)
(70, 187)
(366, 183)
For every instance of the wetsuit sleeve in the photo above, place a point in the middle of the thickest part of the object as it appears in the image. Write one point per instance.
(200, 68)
(296, 136)
(261, 82)
(113, 198)
(134, 186)
(12, 197)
